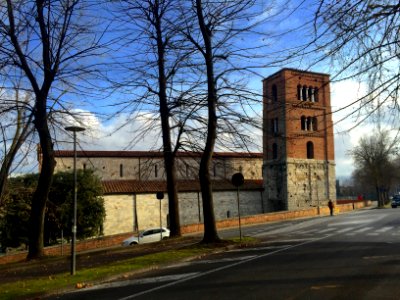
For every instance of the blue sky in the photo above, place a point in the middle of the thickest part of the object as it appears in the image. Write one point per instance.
(288, 28)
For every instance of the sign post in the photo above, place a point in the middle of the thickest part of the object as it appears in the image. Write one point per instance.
(160, 196)
(238, 180)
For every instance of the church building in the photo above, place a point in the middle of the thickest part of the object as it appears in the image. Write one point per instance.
(295, 171)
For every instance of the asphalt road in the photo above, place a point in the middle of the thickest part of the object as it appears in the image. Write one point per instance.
(350, 256)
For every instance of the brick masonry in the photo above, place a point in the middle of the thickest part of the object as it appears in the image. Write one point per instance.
(297, 113)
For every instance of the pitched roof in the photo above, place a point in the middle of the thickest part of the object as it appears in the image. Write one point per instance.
(133, 154)
(144, 187)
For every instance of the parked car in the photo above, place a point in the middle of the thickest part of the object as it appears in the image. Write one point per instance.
(148, 236)
(395, 201)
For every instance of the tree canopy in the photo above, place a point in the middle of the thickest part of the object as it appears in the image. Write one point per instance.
(14, 224)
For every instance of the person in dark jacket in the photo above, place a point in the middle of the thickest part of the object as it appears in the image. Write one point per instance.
(331, 206)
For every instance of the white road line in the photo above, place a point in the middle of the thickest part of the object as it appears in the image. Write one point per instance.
(384, 229)
(327, 230)
(344, 230)
(215, 261)
(216, 270)
(158, 279)
(361, 230)
(260, 248)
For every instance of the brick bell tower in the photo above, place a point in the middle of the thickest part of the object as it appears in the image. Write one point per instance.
(299, 167)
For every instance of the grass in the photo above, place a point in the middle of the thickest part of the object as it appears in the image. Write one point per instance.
(83, 278)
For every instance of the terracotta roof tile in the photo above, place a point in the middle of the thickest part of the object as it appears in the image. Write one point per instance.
(141, 187)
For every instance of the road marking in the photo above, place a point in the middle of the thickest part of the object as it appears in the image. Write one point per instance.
(327, 230)
(358, 231)
(158, 279)
(361, 230)
(260, 248)
(214, 261)
(217, 270)
(344, 230)
(384, 229)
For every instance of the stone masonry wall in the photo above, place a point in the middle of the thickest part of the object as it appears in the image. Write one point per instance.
(120, 210)
(310, 183)
(133, 168)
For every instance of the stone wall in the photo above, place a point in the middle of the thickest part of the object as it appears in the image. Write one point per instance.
(150, 168)
(299, 184)
(127, 213)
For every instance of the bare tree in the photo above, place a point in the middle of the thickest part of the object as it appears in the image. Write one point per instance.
(374, 158)
(14, 132)
(49, 42)
(152, 23)
(217, 31)
(362, 40)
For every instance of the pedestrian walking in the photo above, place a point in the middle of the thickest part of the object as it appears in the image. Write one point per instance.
(331, 206)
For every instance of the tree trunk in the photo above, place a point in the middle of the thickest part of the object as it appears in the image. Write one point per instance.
(45, 179)
(210, 229)
(169, 155)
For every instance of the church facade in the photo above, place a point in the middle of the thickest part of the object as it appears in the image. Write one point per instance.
(298, 143)
(295, 171)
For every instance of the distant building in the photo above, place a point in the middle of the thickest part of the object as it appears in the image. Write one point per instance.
(298, 147)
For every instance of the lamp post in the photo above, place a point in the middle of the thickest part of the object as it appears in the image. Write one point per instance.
(74, 129)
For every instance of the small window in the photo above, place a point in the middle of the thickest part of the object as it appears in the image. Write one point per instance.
(310, 150)
(121, 170)
(274, 151)
(274, 93)
(304, 93)
(311, 94)
(316, 95)
(155, 171)
(187, 171)
(315, 124)
(84, 166)
(215, 170)
(309, 123)
(274, 125)
(299, 94)
(303, 123)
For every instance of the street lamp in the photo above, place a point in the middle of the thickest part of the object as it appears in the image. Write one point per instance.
(74, 129)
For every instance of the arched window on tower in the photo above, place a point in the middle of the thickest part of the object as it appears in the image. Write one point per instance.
(315, 123)
(309, 124)
(274, 126)
(274, 151)
(299, 95)
(274, 93)
(311, 94)
(303, 123)
(304, 93)
(310, 150)
(316, 95)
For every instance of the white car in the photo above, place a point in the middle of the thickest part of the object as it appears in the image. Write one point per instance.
(147, 236)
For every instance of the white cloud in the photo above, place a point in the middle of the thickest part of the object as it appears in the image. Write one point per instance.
(120, 133)
(344, 93)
